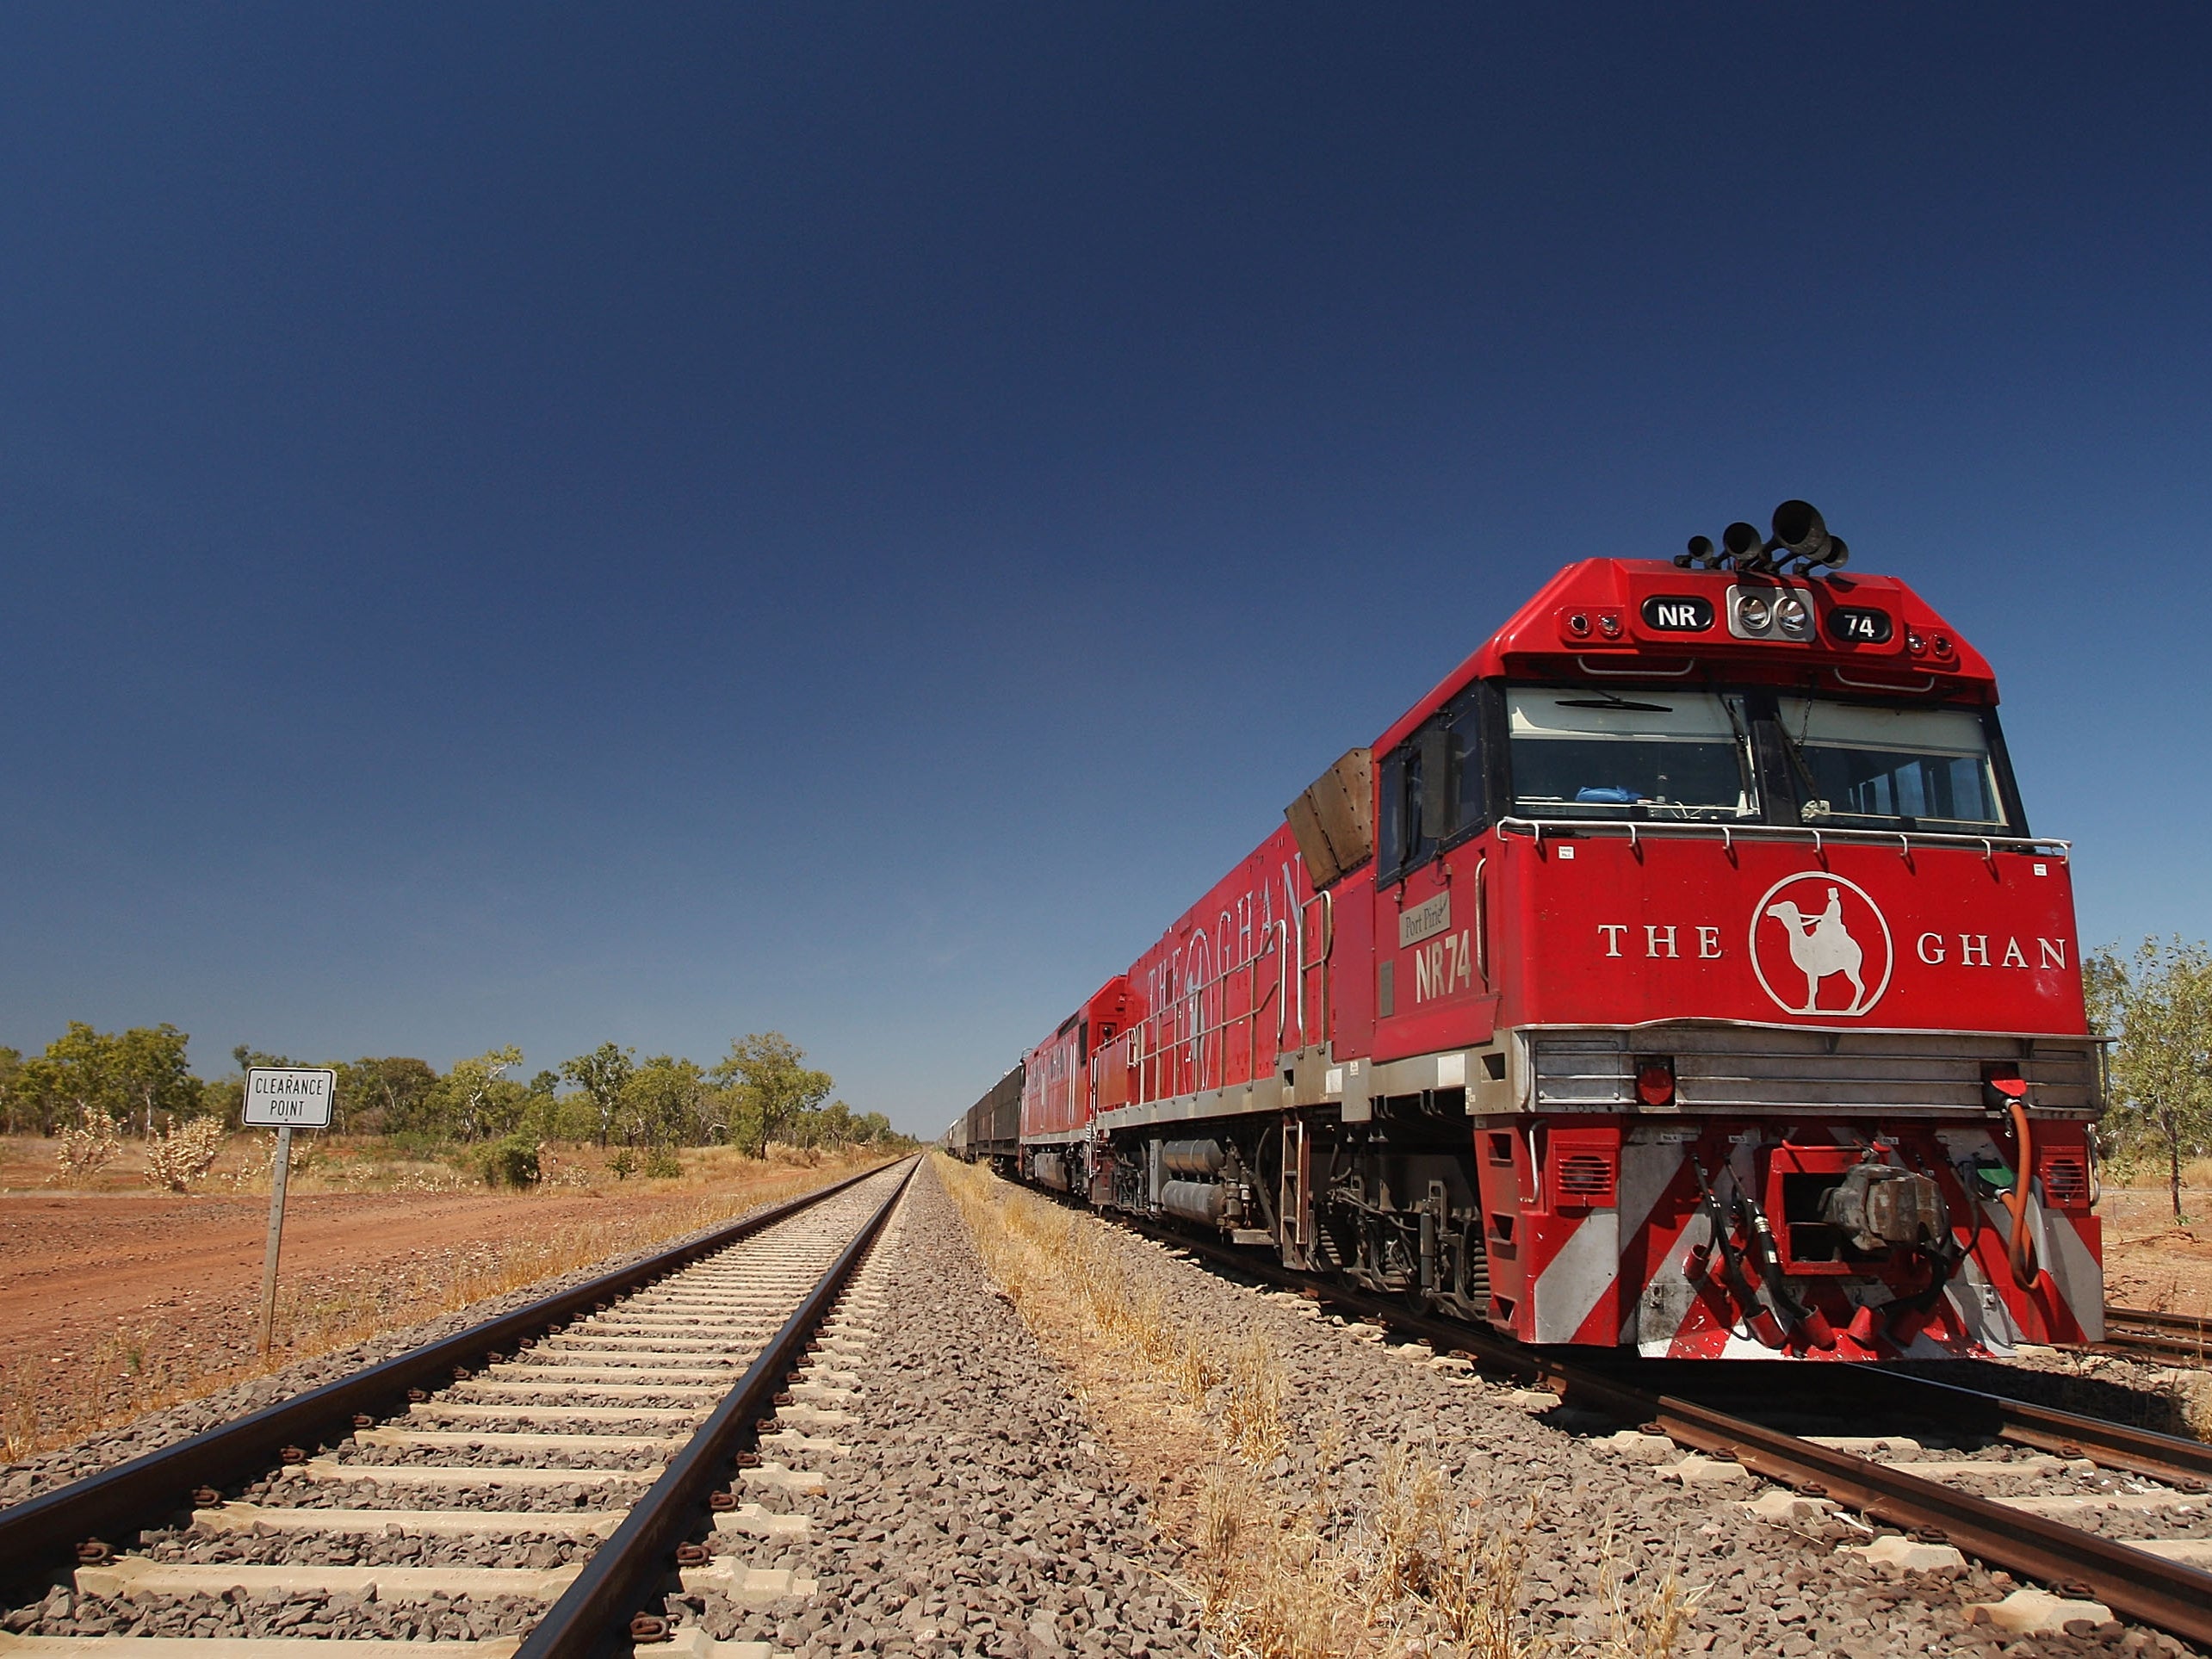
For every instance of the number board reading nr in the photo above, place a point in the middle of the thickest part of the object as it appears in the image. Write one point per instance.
(289, 1097)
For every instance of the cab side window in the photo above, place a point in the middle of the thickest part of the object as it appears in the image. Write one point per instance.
(1401, 842)
(1470, 802)
(1432, 788)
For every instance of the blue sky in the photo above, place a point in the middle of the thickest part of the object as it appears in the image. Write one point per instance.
(547, 523)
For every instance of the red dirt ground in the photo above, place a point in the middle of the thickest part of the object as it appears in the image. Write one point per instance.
(74, 1266)
(116, 1301)
(2151, 1260)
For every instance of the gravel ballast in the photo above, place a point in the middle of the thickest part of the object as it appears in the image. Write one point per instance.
(975, 1510)
(1605, 1521)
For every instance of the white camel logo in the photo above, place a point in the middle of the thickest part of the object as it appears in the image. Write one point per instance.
(1821, 945)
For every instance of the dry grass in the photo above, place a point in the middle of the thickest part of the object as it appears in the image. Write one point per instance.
(100, 1157)
(148, 1365)
(84, 1148)
(180, 1157)
(1278, 1571)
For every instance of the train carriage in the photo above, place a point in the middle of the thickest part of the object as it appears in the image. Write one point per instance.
(1681, 974)
(991, 1129)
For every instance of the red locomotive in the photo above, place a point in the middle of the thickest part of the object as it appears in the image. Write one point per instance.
(1679, 973)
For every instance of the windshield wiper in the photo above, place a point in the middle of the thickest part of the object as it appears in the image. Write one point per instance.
(1814, 807)
(1609, 701)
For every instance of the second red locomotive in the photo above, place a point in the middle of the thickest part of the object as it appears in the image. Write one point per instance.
(1679, 973)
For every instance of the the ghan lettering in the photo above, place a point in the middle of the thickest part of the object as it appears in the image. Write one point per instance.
(1661, 941)
(1671, 941)
(1935, 949)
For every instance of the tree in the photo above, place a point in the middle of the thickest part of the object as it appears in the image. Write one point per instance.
(153, 1075)
(602, 1074)
(384, 1096)
(77, 1073)
(660, 1101)
(550, 1117)
(772, 1084)
(11, 1080)
(2158, 1004)
(479, 1100)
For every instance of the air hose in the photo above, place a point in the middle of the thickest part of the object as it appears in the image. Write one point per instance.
(1758, 1319)
(2020, 1245)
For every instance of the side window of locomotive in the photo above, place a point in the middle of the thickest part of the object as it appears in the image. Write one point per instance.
(1432, 789)
(1466, 794)
(1402, 840)
(1583, 752)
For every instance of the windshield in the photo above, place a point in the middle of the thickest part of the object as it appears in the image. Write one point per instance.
(1891, 768)
(1580, 752)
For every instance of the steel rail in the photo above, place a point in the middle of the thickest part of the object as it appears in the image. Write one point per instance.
(2196, 1325)
(2134, 1583)
(42, 1531)
(2180, 1463)
(593, 1613)
(2184, 1339)
(2183, 1353)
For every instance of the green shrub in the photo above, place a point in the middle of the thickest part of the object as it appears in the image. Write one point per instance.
(662, 1164)
(623, 1163)
(511, 1162)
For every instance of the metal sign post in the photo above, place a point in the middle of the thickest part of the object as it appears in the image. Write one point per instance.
(284, 1098)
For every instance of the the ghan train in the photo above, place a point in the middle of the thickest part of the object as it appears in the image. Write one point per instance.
(1680, 973)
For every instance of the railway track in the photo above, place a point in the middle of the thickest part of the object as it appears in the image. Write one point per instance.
(1898, 1479)
(527, 1487)
(2164, 1339)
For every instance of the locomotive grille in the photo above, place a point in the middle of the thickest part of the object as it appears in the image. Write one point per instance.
(1754, 1068)
(1586, 1177)
(2066, 1182)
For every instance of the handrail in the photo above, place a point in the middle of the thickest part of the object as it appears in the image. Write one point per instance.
(1327, 899)
(1537, 827)
(1194, 1033)
(1483, 921)
(1177, 1033)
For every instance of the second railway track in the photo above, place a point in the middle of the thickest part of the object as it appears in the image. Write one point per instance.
(1912, 1484)
(2162, 1337)
(531, 1486)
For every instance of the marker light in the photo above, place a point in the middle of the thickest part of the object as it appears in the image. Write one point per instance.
(1655, 1080)
(1578, 625)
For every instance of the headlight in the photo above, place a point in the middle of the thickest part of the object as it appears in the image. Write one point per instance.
(1790, 615)
(1755, 613)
